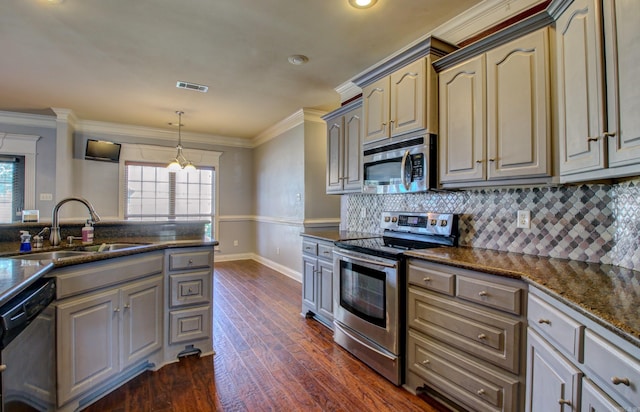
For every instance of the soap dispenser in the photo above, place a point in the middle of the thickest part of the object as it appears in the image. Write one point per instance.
(25, 241)
(87, 233)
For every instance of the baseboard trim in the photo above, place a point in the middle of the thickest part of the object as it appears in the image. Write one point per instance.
(288, 272)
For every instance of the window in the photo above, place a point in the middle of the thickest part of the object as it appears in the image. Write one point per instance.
(12, 181)
(154, 193)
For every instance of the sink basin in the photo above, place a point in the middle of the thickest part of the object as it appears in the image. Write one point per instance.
(110, 247)
(53, 255)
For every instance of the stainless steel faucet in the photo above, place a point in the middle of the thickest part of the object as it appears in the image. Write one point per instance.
(54, 237)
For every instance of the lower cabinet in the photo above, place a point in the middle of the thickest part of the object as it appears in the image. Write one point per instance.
(317, 280)
(575, 364)
(101, 334)
(465, 336)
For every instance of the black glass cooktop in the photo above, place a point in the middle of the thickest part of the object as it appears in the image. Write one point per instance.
(391, 247)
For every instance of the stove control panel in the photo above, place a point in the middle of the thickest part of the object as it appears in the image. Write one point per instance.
(425, 223)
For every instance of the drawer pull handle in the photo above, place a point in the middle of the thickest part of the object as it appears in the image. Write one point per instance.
(617, 381)
(116, 310)
(483, 293)
(564, 402)
(427, 279)
(545, 321)
(426, 362)
(127, 306)
(480, 392)
(191, 261)
(482, 336)
(3, 368)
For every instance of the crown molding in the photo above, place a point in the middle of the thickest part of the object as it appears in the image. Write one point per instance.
(348, 90)
(295, 119)
(27, 119)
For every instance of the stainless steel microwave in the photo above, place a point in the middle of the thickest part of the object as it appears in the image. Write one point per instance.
(407, 166)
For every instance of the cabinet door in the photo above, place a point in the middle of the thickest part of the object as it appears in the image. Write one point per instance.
(142, 309)
(309, 293)
(518, 127)
(622, 62)
(87, 343)
(580, 89)
(334, 155)
(408, 98)
(325, 290)
(376, 110)
(462, 122)
(553, 383)
(595, 400)
(352, 179)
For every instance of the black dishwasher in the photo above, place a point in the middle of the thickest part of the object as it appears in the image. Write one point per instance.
(27, 343)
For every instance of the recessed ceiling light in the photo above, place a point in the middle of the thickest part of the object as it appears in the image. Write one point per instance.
(298, 59)
(362, 4)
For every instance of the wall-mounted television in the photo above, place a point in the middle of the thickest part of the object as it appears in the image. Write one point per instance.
(102, 150)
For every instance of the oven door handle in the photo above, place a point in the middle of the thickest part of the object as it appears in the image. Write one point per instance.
(365, 260)
(361, 342)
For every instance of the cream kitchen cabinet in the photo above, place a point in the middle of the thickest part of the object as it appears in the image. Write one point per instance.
(109, 322)
(495, 116)
(465, 336)
(598, 65)
(344, 149)
(189, 318)
(401, 95)
(576, 364)
(317, 280)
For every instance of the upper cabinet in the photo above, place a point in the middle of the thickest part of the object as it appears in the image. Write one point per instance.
(401, 96)
(344, 149)
(598, 63)
(495, 116)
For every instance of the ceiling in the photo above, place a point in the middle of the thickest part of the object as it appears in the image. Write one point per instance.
(118, 61)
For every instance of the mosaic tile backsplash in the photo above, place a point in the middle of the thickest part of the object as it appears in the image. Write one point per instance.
(590, 223)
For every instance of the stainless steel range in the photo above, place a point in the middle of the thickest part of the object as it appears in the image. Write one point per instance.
(371, 285)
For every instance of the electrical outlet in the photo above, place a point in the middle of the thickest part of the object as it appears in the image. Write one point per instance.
(277, 251)
(524, 219)
(235, 243)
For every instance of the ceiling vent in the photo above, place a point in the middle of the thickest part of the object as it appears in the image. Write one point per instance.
(192, 86)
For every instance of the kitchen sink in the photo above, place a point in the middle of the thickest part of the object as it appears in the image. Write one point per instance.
(53, 255)
(110, 247)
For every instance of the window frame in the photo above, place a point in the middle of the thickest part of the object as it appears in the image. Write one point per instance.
(23, 145)
(142, 153)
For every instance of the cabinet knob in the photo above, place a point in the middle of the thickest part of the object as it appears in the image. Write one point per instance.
(3, 368)
(545, 321)
(483, 293)
(478, 161)
(617, 381)
(426, 362)
(127, 306)
(480, 392)
(564, 402)
(482, 336)
(427, 279)
(116, 310)
(191, 261)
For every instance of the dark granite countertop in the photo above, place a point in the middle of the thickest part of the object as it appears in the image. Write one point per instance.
(17, 274)
(606, 294)
(334, 235)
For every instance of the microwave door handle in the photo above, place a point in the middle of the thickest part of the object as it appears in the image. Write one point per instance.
(405, 159)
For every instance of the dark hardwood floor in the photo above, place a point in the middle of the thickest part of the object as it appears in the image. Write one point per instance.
(268, 358)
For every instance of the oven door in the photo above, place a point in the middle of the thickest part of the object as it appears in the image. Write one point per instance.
(366, 297)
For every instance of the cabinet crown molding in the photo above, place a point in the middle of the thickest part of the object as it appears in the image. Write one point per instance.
(429, 46)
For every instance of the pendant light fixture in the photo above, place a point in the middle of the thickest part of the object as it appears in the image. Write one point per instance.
(180, 162)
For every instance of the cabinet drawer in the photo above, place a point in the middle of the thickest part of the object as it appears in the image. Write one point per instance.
(493, 295)
(492, 337)
(189, 324)
(619, 371)
(467, 382)
(190, 288)
(190, 260)
(310, 248)
(325, 251)
(556, 326)
(431, 278)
